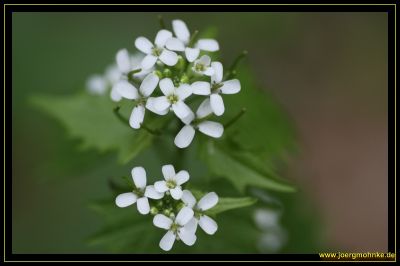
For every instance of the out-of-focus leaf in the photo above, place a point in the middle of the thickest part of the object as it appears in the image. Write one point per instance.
(265, 128)
(90, 119)
(240, 167)
(127, 231)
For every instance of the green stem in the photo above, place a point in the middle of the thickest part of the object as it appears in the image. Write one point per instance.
(231, 72)
(235, 118)
(125, 121)
(193, 38)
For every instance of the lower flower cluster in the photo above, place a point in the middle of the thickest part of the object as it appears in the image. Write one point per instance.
(175, 209)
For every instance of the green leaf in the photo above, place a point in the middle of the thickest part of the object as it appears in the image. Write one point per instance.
(90, 119)
(226, 204)
(240, 167)
(264, 128)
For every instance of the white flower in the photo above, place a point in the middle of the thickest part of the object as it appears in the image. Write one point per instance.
(180, 43)
(173, 98)
(172, 182)
(192, 122)
(176, 228)
(96, 84)
(140, 194)
(216, 88)
(157, 50)
(205, 203)
(203, 66)
(125, 64)
(128, 91)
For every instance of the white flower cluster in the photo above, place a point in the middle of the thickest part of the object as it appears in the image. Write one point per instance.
(180, 67)
(174, 209)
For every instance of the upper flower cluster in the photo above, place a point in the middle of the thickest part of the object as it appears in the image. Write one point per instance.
(174, 209)
(181, 67)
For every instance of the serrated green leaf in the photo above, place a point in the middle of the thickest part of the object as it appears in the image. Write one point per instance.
(226, 204)
(240, 167)
(90, 119)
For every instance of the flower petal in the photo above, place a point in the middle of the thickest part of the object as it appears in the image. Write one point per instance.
(208, 225)
(230, 86)
(125, 199)
(168, 171)
(148, 61)
(204, 109)
(175, 44)
(211, 128)
(161, 103)
(183, 91)
(162, 221)
(209, 71)
(181, 30)
(162, 37)
(182, 177)
(96, 84)
(167, 241)
(150, 106)
(188, 119)
(192, 53)
(167, 86)
(209, 45)
(152, 193)
(218, 72)
(208, 201)
(139, 177)
(144, 45)
(188, 198)
(181, 109)
(115, 96)
(161, 186)
(184, 137)
(149, 84)
(205, 60)
(191, 226)
(168, 57)
(137, 116)
(184, 216)
(201, 88)
(187, 237)
(126, 90)
(176, 193)
(143, 205)
(123, 61)
(217, 104)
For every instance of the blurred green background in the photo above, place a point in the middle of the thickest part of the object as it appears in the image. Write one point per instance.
(328, 70)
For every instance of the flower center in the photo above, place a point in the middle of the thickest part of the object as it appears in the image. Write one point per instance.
(171, 184)
(215, 87)
(199, 67)
(156, 51)
(139, 192)
(174, 228)
(172, 98)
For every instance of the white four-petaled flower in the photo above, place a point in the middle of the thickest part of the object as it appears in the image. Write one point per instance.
(216, 87)
(140, 194)
(203, 66)
(157, 50)
(192, 122)
(176, 228)
(205, 203)
(172, 182)
(173, 98)
(128, 91)
(181, 42)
